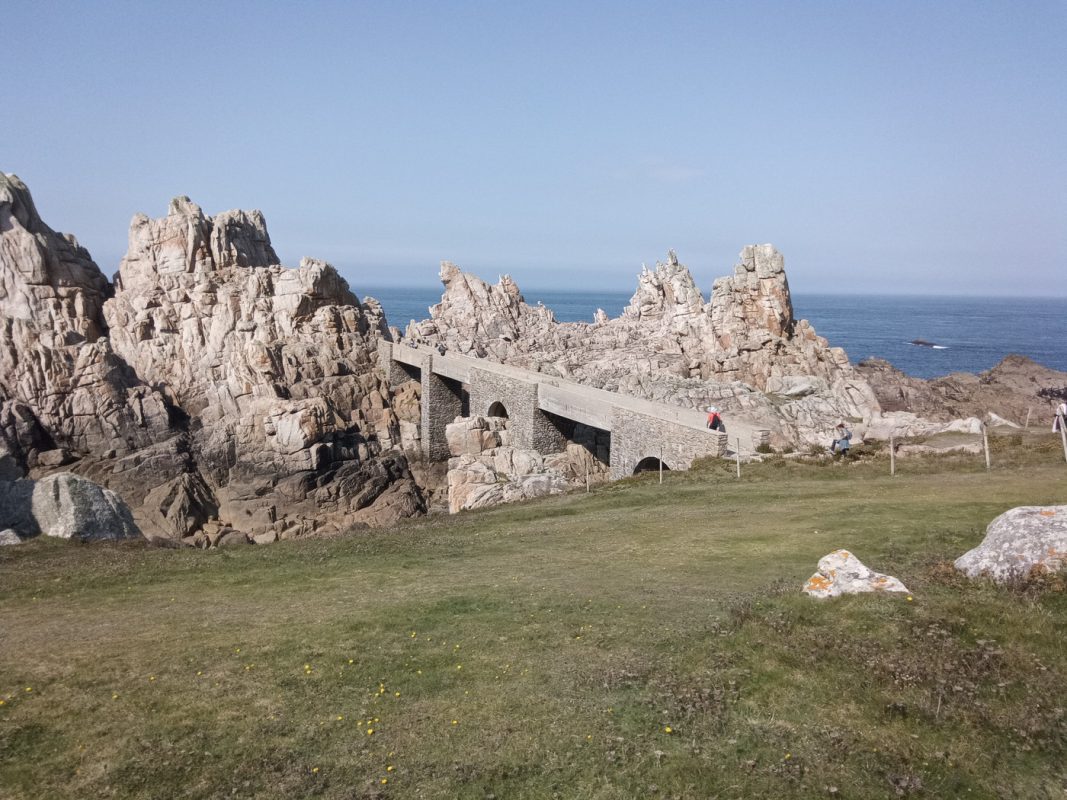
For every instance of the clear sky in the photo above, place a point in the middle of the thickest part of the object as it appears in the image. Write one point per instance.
(905, 147)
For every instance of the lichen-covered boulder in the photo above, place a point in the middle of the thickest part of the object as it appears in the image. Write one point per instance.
(69, 506)
(1019, 543)
(840, 572)
(66, 506)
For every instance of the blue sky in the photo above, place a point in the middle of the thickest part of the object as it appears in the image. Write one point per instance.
(883, 147)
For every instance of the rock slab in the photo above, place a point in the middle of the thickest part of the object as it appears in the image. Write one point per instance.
(1019, 543)
(66, 506)
(840, 572)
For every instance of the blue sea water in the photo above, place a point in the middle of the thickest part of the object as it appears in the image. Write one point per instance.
(974, 332)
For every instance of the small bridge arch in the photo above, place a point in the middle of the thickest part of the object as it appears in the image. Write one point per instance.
(497, 409)
(650, 464)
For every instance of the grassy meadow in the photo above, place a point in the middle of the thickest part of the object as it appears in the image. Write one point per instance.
(643, 640)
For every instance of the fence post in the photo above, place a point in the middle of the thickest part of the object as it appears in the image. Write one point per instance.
(892, 455)
(1063, 435)
(1027, 425)
(985, 444)
(661, 463)
(737, 453)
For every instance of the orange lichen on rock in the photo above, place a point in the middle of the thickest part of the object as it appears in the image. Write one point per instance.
(818, 583)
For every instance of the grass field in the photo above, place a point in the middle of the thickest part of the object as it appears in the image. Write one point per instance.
(640, 641)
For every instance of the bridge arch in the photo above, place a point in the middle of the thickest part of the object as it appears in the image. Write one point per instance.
(650, 464)
(497, 409)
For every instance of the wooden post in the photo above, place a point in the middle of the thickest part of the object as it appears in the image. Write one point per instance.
(1027, 424)
(661, 463)
(737, 453)
(892, 455)
(985, 444)
(1063, 435)
(587, 477)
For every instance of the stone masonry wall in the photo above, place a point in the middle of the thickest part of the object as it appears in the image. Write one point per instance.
(442, 402)
(531, 428)
(635, 437)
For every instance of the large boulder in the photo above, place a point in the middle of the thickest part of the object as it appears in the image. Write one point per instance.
(840, 572)
(1018, 544)
(66, 506)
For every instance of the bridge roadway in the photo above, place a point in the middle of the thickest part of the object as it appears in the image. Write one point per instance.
(536, 404)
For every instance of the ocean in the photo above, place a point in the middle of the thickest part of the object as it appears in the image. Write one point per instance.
(972, 334)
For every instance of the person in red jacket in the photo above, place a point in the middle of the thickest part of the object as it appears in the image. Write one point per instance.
(715, 422)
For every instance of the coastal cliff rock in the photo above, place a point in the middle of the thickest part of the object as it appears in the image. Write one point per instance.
(1014, 390)
(209, 383)
(669, 345)
(61, 385)
(274, 368)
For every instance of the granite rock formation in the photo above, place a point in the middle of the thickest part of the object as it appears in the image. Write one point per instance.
(485, 469)
(61, 385)
(1019, 544)
(208, 384)
(742, 351)
(1015, 390)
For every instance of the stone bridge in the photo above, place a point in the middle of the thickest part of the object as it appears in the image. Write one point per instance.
(542, 411)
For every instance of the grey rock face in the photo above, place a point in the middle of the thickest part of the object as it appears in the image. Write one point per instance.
(274, 366)
(65, 506)
(1018, 543)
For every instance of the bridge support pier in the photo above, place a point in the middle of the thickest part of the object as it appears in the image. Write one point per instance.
(530, 427)
(442, 402)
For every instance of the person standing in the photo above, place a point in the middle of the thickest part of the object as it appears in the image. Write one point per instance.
(715, 422)
(1060, 416)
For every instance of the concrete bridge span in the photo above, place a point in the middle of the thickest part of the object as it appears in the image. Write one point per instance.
(542, 410)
